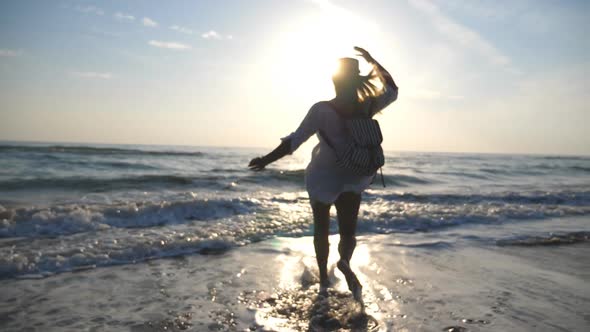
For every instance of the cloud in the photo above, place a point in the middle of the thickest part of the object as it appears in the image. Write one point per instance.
(212, 34)
(169, 45)
(92, 75)
(124, 17)
(460, 34)
(89, 10)
(148, 22)
(182, 29)
(9, 53)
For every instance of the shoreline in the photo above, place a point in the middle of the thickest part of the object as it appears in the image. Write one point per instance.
(416, 281)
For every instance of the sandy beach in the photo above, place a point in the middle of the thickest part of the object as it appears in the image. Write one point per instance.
(412, 282)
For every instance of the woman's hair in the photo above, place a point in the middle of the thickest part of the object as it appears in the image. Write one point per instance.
(366, 88)
(350, 79)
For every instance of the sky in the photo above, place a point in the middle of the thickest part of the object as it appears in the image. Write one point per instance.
(503, 76)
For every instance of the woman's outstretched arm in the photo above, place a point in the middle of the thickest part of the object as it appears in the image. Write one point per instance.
(290, 143)
(282, 150)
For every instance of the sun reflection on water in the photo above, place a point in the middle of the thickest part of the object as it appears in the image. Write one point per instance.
(298, 293)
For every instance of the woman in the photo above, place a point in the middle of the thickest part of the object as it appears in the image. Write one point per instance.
(327, 183)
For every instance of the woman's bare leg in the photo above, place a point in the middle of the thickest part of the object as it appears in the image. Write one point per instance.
(321, 222)
(347, 207)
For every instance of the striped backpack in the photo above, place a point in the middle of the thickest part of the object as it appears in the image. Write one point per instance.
(363, 154)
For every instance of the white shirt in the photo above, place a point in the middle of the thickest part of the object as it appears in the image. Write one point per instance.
(324, 180)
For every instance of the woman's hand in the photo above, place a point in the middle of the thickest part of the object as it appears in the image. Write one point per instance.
(257, 164)
(363, 53)
(383, 74)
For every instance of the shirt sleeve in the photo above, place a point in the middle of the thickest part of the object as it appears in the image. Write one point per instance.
(309, 126)
(383, 100)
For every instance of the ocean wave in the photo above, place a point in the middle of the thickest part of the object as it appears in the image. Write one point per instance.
(298, 177)
(39, 263)
(382, 212)
(462, 174)
(563, 158)
(107, 184)
(43, 256)
(566, 197)
(268, 175)
(64, 238)
(127, 204)
(547, 240)
(211, 180)
(228, 170)
(382, 215)
(87, 150)
(426, 245)
(510, 172)
(402, 180)
(109, 165)
(580, 168)
(77, 218)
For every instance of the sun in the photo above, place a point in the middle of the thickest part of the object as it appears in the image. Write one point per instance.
(293, 69)
(307, 49)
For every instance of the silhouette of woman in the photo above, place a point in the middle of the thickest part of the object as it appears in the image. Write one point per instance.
(325, 181)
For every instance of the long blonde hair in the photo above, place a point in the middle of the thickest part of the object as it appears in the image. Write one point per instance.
(366, 89)
(350, 81)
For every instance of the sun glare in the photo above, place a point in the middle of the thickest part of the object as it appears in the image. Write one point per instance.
(306, 53)
(294, 69)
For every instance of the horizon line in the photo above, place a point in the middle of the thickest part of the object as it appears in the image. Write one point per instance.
(74, 143)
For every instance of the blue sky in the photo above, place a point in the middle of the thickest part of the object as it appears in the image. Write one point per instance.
(477, 76)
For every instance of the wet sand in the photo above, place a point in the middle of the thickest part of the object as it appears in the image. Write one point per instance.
(412, 282)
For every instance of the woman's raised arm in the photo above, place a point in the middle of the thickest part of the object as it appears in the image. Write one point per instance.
(389, 94)
(384, 75)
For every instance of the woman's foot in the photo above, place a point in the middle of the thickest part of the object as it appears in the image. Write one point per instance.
(324, 285)
(353, 283)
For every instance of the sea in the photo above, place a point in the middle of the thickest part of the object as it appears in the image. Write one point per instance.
(71, 207)
(173, 238)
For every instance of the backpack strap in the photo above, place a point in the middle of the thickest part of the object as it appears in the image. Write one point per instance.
(325, 137)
